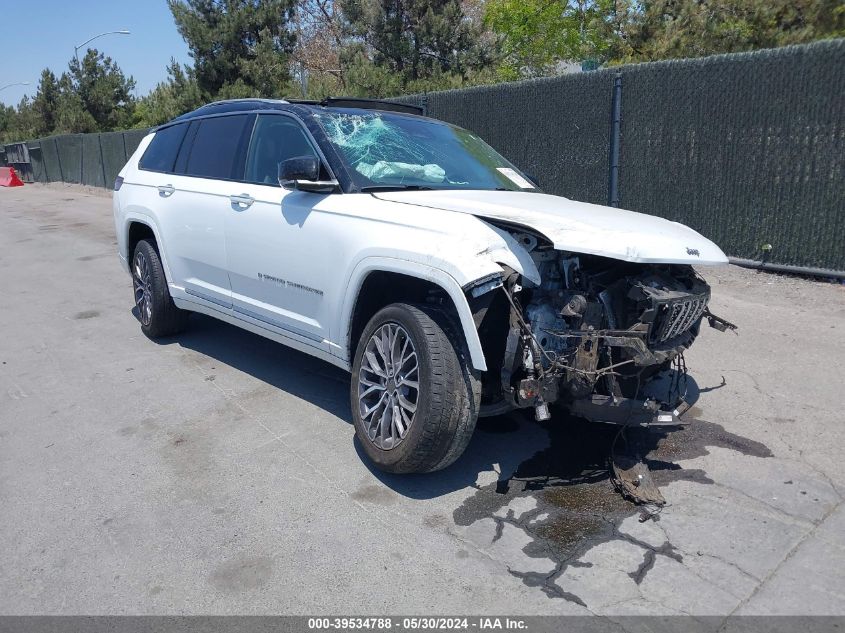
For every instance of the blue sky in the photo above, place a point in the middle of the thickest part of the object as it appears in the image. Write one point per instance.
(42, 33)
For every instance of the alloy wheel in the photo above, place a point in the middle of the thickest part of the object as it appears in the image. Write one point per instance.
(142, 285)
(388, 386)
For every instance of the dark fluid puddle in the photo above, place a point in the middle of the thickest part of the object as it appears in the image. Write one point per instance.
(577, 506)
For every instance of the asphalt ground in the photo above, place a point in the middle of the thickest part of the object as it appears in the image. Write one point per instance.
(216, 472)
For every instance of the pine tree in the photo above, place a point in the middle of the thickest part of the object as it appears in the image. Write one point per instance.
(414, 39)
(178, 95)
(239, 47)
(98, 85)
(46, 103)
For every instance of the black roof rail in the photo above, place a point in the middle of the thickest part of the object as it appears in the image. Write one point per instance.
(226, 106)
(363, 103)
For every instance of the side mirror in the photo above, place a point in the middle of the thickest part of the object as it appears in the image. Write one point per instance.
(303, 173)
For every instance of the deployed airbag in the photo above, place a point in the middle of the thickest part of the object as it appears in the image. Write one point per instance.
(386, 169)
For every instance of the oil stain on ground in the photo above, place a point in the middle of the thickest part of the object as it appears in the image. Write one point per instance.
(243, 574)
(86, 314)
(577, 506)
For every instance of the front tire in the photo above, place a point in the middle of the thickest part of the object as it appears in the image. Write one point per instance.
(414, 395)
(157, 313)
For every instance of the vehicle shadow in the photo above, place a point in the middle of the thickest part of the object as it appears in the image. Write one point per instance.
(281, 367)
(563, 451)
(296, 206)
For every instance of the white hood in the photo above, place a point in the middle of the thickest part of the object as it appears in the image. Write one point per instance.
(578, 227)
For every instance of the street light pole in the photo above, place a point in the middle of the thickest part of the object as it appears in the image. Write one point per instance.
(91, 39)
(19, 83)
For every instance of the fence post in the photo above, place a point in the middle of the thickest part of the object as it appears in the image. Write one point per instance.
(615, 134)
(42, 167)
(59, 158)
(102, 160)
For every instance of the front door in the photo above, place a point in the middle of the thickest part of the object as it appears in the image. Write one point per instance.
(272, 238)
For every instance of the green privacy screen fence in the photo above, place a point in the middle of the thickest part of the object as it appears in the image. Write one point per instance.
(747, 148)
(86, 159)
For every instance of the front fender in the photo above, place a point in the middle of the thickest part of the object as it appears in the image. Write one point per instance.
(421, 271)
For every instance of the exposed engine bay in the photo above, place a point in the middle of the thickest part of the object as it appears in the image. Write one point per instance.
(590, 336)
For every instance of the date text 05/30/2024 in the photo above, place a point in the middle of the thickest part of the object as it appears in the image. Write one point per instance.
(387, 623)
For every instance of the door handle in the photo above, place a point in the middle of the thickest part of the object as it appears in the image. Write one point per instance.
(165, 191)
(243, 201)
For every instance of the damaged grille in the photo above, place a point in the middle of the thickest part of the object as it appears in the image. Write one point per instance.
(676, 317)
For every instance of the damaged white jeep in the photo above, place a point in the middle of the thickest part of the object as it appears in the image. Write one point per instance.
(410, 253)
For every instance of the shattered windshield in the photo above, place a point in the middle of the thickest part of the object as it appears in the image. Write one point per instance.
(385, 151)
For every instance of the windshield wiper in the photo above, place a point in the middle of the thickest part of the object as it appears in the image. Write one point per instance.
(373, 188)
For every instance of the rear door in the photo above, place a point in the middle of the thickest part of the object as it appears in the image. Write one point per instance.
(210, 161)
(276, 239)
(148, 190)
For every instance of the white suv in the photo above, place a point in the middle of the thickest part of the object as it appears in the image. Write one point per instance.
(410, 253)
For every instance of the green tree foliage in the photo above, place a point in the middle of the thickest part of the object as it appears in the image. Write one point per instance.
(93, 95)
(381, 48)
(537, 35)
(179, 94)
(238, 46)
(666, 29)
(398, 43)
(104, 93)
(7, 120)
(46, 103)
(18, 124)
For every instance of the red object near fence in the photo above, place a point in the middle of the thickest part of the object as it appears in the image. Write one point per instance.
(8, 178)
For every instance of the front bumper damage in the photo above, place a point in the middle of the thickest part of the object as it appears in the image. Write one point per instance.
(602, 339)
(628, 411)
(613, 408)
(566, 348)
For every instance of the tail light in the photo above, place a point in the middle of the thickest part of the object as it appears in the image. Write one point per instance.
(117, 182)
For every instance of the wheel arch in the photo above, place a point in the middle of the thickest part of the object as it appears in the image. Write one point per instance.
(377, 282)
(137, 228)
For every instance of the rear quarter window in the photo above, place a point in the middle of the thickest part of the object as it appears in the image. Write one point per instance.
(161, 152)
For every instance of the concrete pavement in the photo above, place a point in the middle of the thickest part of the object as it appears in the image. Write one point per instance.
(216, 472)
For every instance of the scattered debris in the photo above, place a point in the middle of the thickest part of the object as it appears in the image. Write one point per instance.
(632, 479)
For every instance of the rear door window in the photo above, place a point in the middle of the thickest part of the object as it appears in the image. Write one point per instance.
(218, 147)
(274, 139)
(161, 153)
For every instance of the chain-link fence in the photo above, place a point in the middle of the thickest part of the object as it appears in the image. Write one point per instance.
(554, 129)
(746, 148)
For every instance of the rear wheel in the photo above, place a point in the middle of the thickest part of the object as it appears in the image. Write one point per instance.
(157, 313)
(414, 395)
